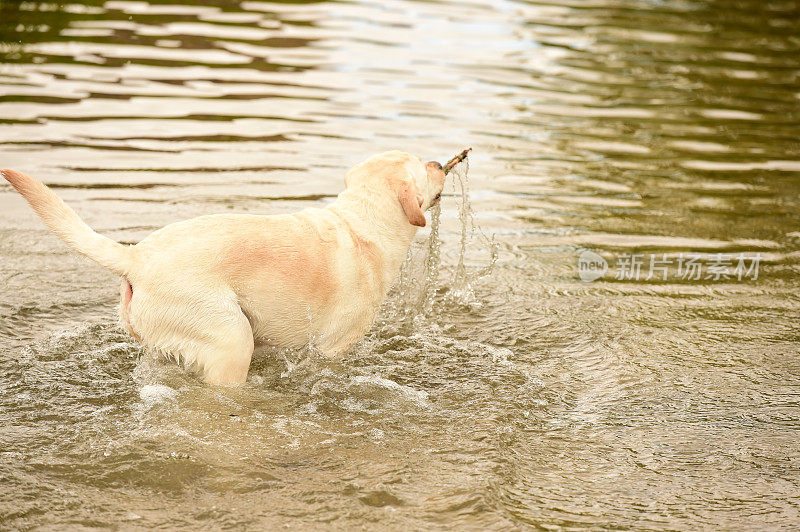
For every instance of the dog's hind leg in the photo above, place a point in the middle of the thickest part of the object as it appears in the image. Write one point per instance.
(211, 335)
(224, 351)
(225, 357)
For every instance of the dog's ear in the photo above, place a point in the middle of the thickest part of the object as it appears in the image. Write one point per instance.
(411, 202)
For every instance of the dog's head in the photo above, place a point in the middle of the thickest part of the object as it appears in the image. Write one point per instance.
(404, 178)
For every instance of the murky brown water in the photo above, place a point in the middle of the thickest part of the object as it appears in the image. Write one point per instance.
(637, 130)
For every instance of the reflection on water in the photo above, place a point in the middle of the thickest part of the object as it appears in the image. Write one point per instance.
(617, 126)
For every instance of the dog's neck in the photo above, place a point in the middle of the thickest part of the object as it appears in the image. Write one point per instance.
(380, 221)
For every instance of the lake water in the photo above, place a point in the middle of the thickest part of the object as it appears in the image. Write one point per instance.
(656, 139)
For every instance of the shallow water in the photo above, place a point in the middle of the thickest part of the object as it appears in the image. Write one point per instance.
(527, 397)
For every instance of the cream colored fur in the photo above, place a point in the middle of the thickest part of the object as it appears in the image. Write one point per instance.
(205, 290)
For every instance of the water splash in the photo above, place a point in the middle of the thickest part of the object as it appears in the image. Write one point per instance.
(461, 291)
(419, 286)
(415, 291)
(432, 262)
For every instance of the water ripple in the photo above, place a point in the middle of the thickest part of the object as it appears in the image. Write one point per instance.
(521, 398)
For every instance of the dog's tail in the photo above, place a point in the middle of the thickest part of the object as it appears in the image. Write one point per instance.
(65, 223)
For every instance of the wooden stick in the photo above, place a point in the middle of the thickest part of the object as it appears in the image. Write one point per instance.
(455, 160)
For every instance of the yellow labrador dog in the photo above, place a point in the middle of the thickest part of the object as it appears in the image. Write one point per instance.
(205, 290)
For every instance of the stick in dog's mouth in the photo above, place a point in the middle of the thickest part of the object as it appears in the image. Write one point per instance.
(452, 164)
(455, 160)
